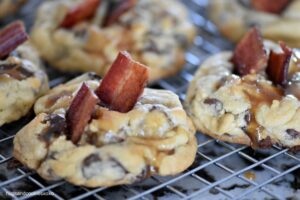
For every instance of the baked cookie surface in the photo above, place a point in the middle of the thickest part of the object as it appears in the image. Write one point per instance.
(22, 81)
(155, 33)
(239, 15)
(8, 7)
(155, 137)
(248, 109)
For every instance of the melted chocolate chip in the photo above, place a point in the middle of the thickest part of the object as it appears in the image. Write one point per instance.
(52, 155)
(245, 3)
(93, 166)
(217, 104)
(93, 158)
(265, 143)
(151, 46)
(15, 71)
(293, 133)
(182, 40)
(57, 127)
(80, 33)
(247, 117)
(93, 76)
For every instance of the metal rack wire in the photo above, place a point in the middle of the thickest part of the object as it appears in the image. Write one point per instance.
(220, 171)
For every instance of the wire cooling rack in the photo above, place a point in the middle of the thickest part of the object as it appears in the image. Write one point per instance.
(220, 171)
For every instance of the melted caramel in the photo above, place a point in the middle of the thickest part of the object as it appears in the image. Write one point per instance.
(259, 93)
(250, 175)
(15, 71)
(52, 99)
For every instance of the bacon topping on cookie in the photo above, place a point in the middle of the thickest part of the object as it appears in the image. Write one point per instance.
(123, 84)
(111, 11)
(270, 6)
(278, 65)
(249, 56)
(11, 37)
(80, 112)
(82, 11)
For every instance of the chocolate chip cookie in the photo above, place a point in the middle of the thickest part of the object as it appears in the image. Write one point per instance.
(22, 81)
(155, 137)
(247, 104)
(76, 35)
(277, 21)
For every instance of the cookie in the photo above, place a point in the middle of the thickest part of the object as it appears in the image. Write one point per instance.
(22, 81)
(240, 15)
(155, 137)
(8, 7)
(155, 32)
(251, 109)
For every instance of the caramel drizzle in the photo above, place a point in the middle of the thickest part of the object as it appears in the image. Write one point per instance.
(258, 94)
(15, 71)
(54, 98)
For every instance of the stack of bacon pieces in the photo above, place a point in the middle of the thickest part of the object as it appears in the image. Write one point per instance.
(87, 9)
(11, 37)
(250, 57)
(119, 91)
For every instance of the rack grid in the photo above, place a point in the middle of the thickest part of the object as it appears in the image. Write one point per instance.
(220, 171)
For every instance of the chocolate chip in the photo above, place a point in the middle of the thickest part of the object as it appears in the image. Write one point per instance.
(217, 104)
(51, 155)
(93, 76)
(181, 39)
(16, 71)
(245, 3)
(93, 166)
(57, 127)
(247, 117)
(151, 46)
(293, 133)
(80, 33)
(88, 161)
(265, 143)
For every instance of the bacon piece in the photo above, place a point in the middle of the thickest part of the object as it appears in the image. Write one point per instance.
(80, 112)
(123, 83)
(270, 6)
(278, 65)
(249, 56)
(82, 11)
(117, 10)
(11, 37)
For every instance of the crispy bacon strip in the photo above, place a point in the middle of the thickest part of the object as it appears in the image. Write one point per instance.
(11, 37)
(270, 6)
(80, 112)
(278, 65)
(117, 10)
(249, 55)
(82, 11)
(123, 83)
